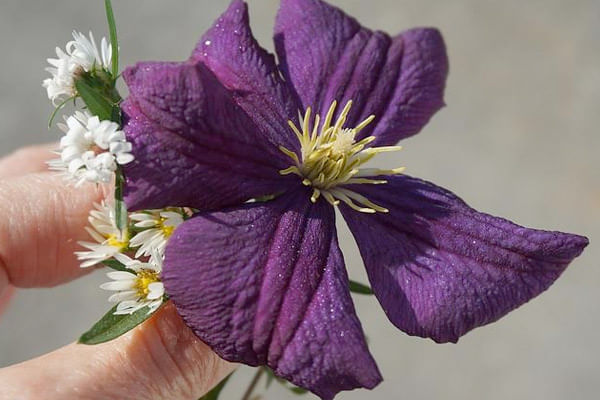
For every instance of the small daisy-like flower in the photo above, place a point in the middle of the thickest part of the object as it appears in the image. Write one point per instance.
(136, 289)
(157, 227)
(84, 52)
(109, 240)
(91, 149)
(82, 55)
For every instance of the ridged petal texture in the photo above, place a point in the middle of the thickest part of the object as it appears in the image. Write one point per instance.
(194, 146)
(327, 55)
(440, 268)
(265, 284)
(250, 73)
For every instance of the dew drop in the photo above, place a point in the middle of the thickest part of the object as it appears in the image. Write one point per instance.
(207, 43)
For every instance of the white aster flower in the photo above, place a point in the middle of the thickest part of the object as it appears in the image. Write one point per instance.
(109, 240)
(84, 52)
(62, 83)
(157, 227)
(136, 289)
(82, 55)
(91, 149)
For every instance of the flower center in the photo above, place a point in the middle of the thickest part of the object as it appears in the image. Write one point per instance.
(331, 158)
(167, 230)
(115, 241)
(145, 277)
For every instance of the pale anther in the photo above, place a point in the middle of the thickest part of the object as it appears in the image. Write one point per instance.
(330, 158)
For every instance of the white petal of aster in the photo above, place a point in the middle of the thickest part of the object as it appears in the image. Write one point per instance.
(123, 157)
(129, 307)
(61, 83)
(136, 290)
(171, 218)
(154, 305)
(126, 260)
(147, 241)
(118, 285)
(156, 261)
(143, 217)
(81, 55)
(105, 53)
(157, 290)
(121, 275)
(110, 241)
(84, 52)
(149, 223)
(157, 225)
(84, 149)
(122, 296)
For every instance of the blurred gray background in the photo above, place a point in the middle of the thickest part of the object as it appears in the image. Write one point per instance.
(519, 138)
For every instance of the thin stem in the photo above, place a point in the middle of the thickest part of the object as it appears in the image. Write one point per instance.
(120, 208)
(253, 384)
(57, 109)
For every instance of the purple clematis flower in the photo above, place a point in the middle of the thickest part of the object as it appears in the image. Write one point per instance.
(264, 283)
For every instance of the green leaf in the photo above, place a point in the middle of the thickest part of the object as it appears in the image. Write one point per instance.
(114, 41)
(270, 378)
(116, 265)
(359, 288)
(93, 98)
(214, 394)
(112, 326)
(298, 390)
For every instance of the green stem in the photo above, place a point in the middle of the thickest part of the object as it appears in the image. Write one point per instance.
(57, 109)
(253, 384)
(120, 208)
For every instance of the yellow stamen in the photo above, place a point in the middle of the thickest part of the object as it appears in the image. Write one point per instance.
(331, 157)
(144, 278)
(118, 242)
(167, 230)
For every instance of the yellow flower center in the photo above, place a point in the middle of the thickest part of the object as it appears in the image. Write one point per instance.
(144, 278)
(120, 243)
(331, 158)
(167, 230)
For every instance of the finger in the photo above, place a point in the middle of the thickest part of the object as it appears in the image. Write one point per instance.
(27, 160)
(161, 359)
(41, 220)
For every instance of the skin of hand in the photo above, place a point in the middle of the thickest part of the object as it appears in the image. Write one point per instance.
(41, 220)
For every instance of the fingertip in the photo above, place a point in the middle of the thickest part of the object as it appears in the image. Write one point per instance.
(42, 218)
(27, 160)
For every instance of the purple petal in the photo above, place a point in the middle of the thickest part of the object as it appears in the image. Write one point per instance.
(265, 284)
(440, 268)
(230, 51)
(193, 145)
(327, 56)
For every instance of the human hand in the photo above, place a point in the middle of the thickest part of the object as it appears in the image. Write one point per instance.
(41, 220)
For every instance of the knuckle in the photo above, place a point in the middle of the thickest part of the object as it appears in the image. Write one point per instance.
(183, 365)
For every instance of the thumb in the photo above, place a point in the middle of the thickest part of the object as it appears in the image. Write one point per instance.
(160, 359)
